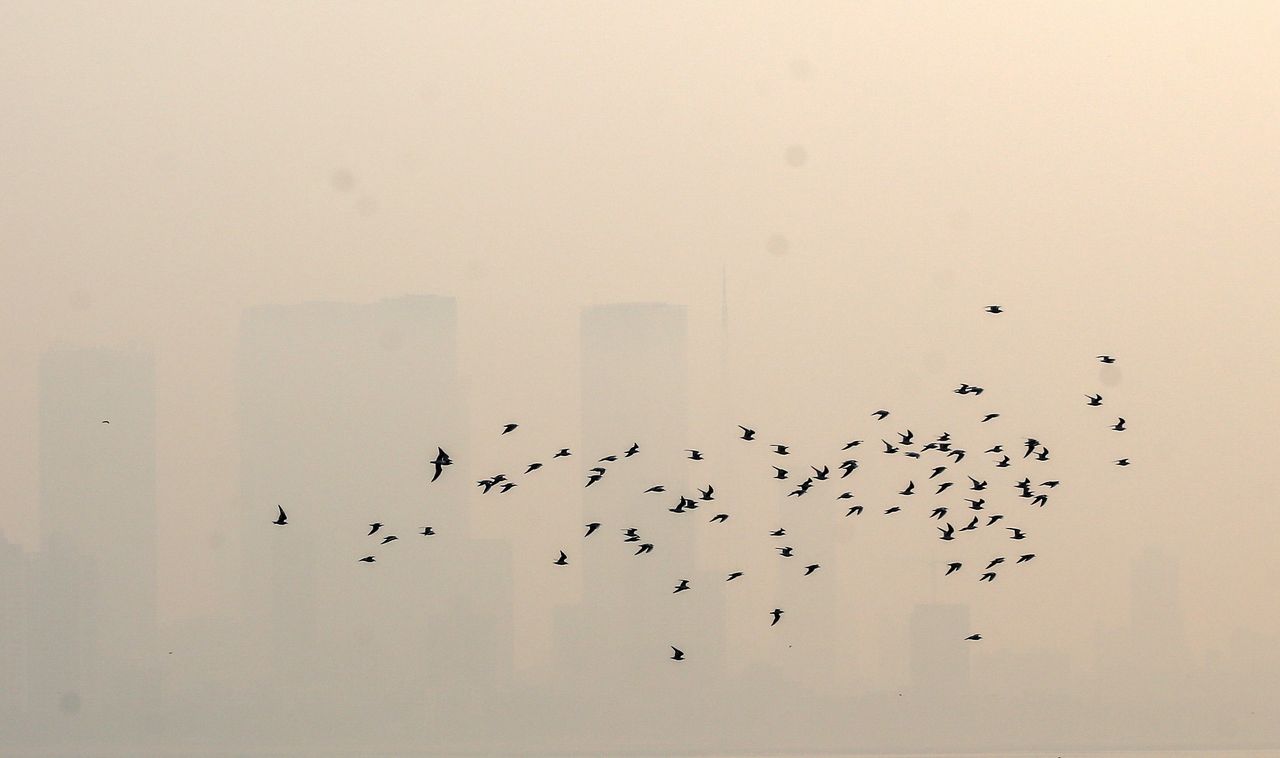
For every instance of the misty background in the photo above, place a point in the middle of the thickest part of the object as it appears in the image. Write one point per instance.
(290, 249)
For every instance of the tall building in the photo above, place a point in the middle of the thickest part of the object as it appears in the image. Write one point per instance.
(13, 639)
(939, 652)
(342, 408)
(635, 391)
(95, 579)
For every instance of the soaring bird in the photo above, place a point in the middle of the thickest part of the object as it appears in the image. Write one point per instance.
(1095, 399)
(721, 517)
(1043, 455)
(993, 518)
(442, 460)
(777, 614)
(281, 520)
(1119, 425)
(1040, 500)
(997, 449)
(880, 414)
(889, 449)
(779, 532)
(937, 470)
(733, 576)
(952, 568)
(389, 538)
(105, 421)
(801, 489)
(564, 453)
(812, 567)
(847, 467)
(994, 309)
(1122, 462)
(427, 531)
(368, 559)
(487, 484)
(948, 533)
(990, 576)
(533, 467)
(374, 527)
(891, 509)
(594, 525)
(506, 487)
(656, 488)
(1025, 558)
(594, 478)
(563, 560)
(747, 434)
(1003, 462)
(976, 485)
(635, 448)
(994, 562)
(972, 525)
(785, 552)
(852, 443)
(509, 428)
(631, 534)
(943, 487)
(855, 509)
(1018, 534)
(782, 449)
(975, 504)
(708, 493)
(682, 586)
(845, 496)
(781, 473)
(974, 637)
(694, 455)
(909, 490)
(990, 416)
(938, 513)
(676, 653)
(1106, 359)
(1050, 484)
(821, 473)
(906, 439)
(957, 454)
(645, 547)
(1031, 444)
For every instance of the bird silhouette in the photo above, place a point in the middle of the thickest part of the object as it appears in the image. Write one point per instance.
(990, 576)
(635, 448)
(442, 459)
(974, 637)
(821, 474)
(848, 467)
(594, 477)
(373, 528)
(427, 531)
(733, 576)
(509, 428)
(1123, 462)
(1003, 462)
(889, 449)
(777, 615)
(694, 455)
(857, 509)
(676, 653)
(608, 458)
(563, 560)
(594, 525)
(781, 450)
(909, 490)
(975, 504)
(646, 547)
(367, 559)
(564, 453)
(952, 568)
(994, 562)
(1025, 558)
(747, 434)
(972, 525)
(993, 518)
(812, 567)
(785, 552)
(506, 487)
(853, 443)
(976, 485)
(281, 520)
(994, 309)
(533, 467)
(631, 534)
(990, 416)
(891, 509)
(105, 421)
(1106, 359)
(948, 533)
(880, 414)
(389, 538)
(708, 493)
(721, 517)
(1119, 425)
(1094, 400)
(1018, 534)
(682, 586)
(943, 487)
(907, 438)
(938, 513)
(781, 473)
(937, 470)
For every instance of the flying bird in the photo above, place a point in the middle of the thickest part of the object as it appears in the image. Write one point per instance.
(1119, 425)
(676, 653)
(889, 449)
(781, 450)
(533, 467)
(721, 517)
(442, 460)
(785, 552)
(595, 477)
(656, 488)
(1106, 359)
(747, 434)
(777, 615)
(994, 562)
(990, 416)
(367, 559)
(906, 439)
(847, 467)
(694, 455)
(635, 448)
(948, 533)
(281, 520)
(563, 560)
(857, 509)
(880, 414)
(990, 576)
(994, 309)
(812, 567)
(952, 568)
(974, 637)
(976, 485)
(1094, 400)
(509, 428)
(708, 493)
(733, 576)
(682, 586)
(910, 489)
(645, 547)
(937, 470)
(781, 473)
(506, 487)
(389, 538)
(821, 473)
(427, 531)
(594, 525)
(373, 528)
(1018, 534)
(1122, 462)
(564, 453)
(1025, 558)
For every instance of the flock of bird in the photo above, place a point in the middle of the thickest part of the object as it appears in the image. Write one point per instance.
(939, 457)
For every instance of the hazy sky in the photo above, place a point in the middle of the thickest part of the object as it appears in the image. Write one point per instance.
(868, 175)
